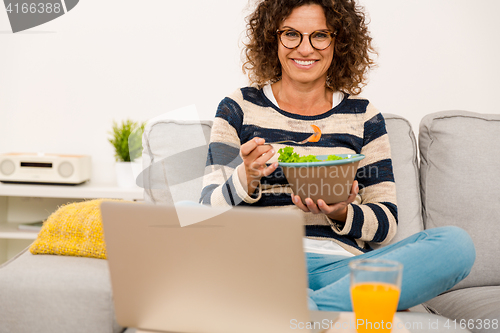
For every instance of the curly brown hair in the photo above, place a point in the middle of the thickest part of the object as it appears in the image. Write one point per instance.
(351, 59)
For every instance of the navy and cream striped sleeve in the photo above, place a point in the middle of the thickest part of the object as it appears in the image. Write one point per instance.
(221, 184)
(372, 217)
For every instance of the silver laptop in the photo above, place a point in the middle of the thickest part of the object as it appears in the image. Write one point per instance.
(241, 270)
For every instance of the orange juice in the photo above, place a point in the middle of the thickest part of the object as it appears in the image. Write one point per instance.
(374, 306)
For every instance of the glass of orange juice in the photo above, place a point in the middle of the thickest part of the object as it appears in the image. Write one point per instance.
(375, 289)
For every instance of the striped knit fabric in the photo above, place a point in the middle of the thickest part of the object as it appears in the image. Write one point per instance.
(353, 126)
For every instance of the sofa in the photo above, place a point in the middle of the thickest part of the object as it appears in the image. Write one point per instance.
(450, 179)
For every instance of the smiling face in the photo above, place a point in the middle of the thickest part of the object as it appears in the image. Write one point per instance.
(304, 64)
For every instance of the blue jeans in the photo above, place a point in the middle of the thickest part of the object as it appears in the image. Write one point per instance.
(433, 261)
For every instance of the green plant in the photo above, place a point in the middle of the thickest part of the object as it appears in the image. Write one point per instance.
(126, 138)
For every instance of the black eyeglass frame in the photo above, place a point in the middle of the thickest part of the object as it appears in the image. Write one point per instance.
(332, 35)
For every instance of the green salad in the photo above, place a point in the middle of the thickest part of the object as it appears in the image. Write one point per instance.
(287, 155)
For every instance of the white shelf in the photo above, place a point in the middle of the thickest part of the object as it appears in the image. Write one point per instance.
(26, 203)
(10, 231)
(83, 191)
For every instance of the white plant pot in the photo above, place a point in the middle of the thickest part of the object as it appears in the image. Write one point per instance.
(126, 173)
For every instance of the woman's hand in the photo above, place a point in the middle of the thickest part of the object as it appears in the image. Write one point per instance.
(255, 154)
(336, 211)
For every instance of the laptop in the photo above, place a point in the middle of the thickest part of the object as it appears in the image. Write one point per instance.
(240, 270)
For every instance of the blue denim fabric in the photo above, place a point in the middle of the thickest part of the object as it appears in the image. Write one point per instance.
(433, 261)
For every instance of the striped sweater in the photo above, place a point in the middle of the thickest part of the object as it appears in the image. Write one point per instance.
(353, 126)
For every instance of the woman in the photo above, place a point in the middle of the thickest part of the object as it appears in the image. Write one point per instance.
(307, 60)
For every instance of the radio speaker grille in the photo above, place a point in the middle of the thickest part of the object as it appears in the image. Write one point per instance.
(7, 167)
(65, 169)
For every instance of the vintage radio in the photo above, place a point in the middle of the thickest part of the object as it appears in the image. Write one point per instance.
(44, 168)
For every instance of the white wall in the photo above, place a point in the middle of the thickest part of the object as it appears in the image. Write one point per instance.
(435, 55)
(63, 83)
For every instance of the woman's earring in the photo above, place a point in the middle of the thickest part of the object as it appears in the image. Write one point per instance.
(328, 81)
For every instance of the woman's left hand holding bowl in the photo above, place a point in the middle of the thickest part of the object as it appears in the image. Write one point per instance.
(336, 211)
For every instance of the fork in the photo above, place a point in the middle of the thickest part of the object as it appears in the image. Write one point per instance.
(291, 141)
(313, 138)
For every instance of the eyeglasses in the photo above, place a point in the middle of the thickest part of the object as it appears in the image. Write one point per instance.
(319, 39)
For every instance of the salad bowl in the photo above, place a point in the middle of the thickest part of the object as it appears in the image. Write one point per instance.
(329, 180)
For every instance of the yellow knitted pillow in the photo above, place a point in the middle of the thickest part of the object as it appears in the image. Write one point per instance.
(73, 230)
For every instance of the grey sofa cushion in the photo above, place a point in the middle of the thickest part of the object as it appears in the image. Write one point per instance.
(174, 159)
(405, 165)
(476, 304)
(459, 177)
(48, 293)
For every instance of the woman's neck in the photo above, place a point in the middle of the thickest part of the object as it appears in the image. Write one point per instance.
(303, 99)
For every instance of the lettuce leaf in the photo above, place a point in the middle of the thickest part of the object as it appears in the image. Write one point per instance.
(287, 155)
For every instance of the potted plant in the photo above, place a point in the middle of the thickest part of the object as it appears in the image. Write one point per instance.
(126, 138)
